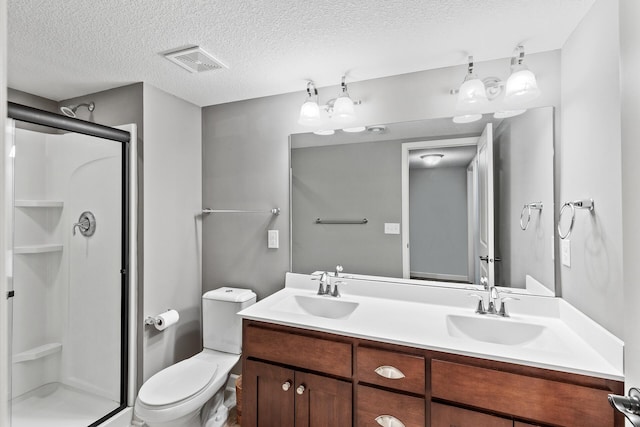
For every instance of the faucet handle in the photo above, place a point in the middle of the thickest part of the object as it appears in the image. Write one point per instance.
(336, 292)
(480, 309)
(323, 277)
(503, 307)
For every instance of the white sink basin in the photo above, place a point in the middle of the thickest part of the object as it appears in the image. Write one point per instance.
(493, 330)
(328, 307)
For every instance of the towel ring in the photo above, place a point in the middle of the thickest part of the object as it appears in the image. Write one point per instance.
(581, 204)
(527, 208)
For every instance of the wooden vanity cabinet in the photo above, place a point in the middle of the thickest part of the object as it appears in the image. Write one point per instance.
(452, 416)
(283, 396)
(354, 382)
(266, 402)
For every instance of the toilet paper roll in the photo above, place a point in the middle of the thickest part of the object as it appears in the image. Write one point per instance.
(166, 319)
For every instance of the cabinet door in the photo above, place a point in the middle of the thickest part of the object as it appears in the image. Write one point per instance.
(268, 397)
(450, 416)
(322, 401)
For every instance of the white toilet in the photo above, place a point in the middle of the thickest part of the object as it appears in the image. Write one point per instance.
(191, 393)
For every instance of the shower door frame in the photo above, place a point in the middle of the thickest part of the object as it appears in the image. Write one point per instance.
(31, 115)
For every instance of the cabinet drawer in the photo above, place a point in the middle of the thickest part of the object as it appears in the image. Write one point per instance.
(450, 416)
(372, 403)
(316, 354)
(399, 371)
(545, 401)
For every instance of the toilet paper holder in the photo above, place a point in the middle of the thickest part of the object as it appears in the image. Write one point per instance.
(154, 320)
(150, 321)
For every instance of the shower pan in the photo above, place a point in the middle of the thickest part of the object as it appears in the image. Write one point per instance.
(71, 276)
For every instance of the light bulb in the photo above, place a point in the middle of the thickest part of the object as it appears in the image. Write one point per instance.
(521, 86)
(309, 113)
(472, 94)
(343, 109)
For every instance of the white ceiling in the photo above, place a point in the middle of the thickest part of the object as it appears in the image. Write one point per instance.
(63, 49)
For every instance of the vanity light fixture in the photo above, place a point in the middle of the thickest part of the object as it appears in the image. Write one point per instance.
(521, 85)
(343, 110)
(339, 110)
(472, 94)
(431, 160)
(310, 110)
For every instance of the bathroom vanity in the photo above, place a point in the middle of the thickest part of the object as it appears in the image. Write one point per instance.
(400, 361)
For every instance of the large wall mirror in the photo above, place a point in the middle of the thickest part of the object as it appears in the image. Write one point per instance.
(429, 200)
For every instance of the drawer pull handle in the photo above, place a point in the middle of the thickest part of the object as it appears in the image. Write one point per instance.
(300, 389)
(390, 372)
(389, 421)
(286, 385)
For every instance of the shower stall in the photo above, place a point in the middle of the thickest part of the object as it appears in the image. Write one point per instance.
(71, 277)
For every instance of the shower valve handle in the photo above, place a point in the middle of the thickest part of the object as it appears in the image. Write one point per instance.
(86, 224)
(83, 225)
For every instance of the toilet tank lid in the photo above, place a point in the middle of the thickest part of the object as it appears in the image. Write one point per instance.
(230, 294)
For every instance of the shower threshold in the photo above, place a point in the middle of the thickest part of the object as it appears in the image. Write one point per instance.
(58, 405)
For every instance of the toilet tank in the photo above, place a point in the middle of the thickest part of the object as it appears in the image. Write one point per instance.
(221, 326)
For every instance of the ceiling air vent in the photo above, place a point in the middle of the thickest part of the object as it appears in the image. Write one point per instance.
(195, 60)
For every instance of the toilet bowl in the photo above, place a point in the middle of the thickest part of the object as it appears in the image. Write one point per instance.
(190, 393)
(175, 396)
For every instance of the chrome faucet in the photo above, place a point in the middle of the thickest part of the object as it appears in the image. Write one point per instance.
(325, 283)
(493, 298)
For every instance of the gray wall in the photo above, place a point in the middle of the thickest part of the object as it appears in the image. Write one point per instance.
(523, 147)
(245, 159)
(347, 182)
(172, 203)
(34, 101)
(590, 153)
(438, 220)
(630, 108)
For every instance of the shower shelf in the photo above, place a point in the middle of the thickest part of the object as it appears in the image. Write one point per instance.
(33, 203)
(37, 352)
(37, 249)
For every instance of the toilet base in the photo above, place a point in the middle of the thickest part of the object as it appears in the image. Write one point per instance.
(215, 413)
(189, 420)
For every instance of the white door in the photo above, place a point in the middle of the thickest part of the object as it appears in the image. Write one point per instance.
(485, 204)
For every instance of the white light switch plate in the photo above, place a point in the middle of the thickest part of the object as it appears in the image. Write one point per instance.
(273, 239)
(391, 228)
(565, 252)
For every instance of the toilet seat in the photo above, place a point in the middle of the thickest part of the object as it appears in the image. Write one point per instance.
(184, 387)
(178, 382)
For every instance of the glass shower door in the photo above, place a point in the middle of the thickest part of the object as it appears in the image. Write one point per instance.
(69, 249)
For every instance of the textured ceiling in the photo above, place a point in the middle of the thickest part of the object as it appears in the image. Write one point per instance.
(62, 49)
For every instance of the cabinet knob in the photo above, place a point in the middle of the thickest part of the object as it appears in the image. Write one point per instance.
(300, 389)
(389, 421)
(286, 386)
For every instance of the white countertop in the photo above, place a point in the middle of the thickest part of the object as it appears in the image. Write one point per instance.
(416, 316)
